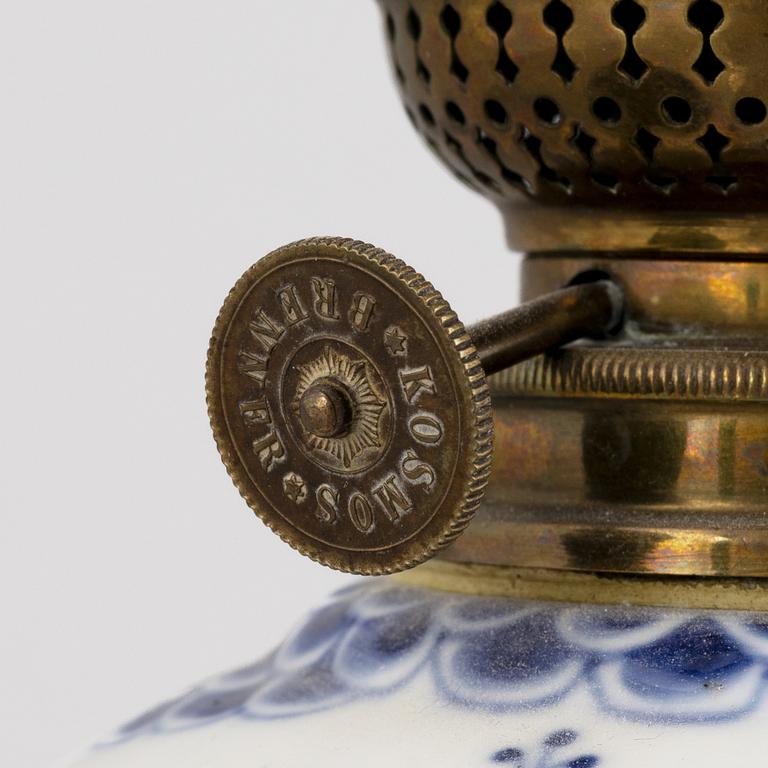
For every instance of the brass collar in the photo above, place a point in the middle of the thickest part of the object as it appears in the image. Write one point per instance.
(645, 454)
(589, 588)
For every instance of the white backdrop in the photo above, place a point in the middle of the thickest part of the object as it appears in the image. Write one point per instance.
(149, 152)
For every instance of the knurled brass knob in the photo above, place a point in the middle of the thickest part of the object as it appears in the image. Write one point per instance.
(350, 405)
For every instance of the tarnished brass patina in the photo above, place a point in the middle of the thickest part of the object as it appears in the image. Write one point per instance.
(626, 144)
(629, 139)
(645, 453)
(350, 405)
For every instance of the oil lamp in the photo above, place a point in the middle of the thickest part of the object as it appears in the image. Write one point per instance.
(564, 505)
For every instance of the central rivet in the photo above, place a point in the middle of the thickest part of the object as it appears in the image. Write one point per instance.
(326, 409)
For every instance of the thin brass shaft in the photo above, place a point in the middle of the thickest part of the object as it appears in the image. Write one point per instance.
(587, 309)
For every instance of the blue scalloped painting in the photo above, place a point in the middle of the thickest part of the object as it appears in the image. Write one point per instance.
(639, 664)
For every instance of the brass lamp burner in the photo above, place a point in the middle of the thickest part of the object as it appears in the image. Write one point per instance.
(626, 144)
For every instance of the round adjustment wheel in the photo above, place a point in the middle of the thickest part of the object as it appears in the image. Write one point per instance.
(349, 406)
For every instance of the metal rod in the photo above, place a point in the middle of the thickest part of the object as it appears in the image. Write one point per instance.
(587, 309)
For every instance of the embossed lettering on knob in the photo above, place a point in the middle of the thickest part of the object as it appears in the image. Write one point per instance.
(349, 406)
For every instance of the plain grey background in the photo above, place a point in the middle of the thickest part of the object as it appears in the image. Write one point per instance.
(149, 152)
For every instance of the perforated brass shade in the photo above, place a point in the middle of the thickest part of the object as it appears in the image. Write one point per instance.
(634, 109)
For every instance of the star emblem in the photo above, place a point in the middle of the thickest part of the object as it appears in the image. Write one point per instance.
(396, 341)
(295, 488)
(355, 376)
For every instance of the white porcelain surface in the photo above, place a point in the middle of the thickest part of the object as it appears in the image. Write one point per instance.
(385, 675)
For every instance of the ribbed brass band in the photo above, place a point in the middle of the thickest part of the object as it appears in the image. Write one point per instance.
(589, 588)
(540, 229)
(683, 375)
